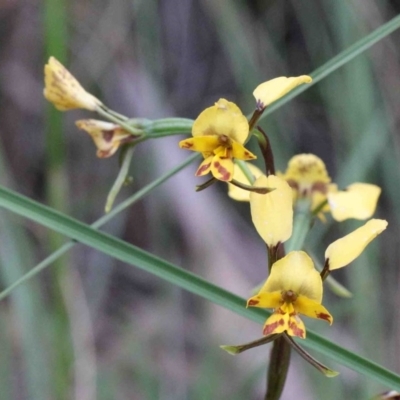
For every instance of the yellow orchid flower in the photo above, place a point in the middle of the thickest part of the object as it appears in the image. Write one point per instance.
(307, 175)
(272, 90)
(64, 91)
(106, 136)
(293, 287)
(272, 213)
(219, 133)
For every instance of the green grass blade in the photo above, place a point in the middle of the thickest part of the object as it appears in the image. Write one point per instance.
(100, 222)
(25, 312)
(133, 255)
(338, 61)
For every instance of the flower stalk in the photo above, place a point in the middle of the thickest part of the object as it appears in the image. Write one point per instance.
(279, 361)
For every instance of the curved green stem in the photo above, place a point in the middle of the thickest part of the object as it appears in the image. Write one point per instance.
(121, 178)
(168, 126)
(246, 171)
(302, 222)
(119, 121)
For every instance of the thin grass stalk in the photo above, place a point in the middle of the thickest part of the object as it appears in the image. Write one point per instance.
(57, 193)
(137, 257)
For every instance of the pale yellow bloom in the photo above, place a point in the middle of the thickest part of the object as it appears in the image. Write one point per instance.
(64, 91)
(307, 175)
(270, 91)
(345, 250)
(106, 136)
(219, 133)
(357, 201)
(293, 287)
(272, 213)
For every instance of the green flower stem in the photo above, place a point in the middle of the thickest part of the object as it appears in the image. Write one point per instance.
(335, 286)
(100, 222)
(278, 367)
(139, 258)
(115, 114)
(266, 150)
(246, 171)
(119, 121)
(147, 128)
(254, 118)
(301, 225)
(280, 353)
(168, 127)
(325, 271)
(121, 178)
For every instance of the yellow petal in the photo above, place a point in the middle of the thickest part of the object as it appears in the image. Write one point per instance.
(312, 309)
(235, 192)
(295, 272)
(343, 251)
(272, 213)
(358, 201)
(201, 144)
(222, 119)
(106, 136)
(276, 323)
(265, 300)
(296, 327)
(270, 91)
(205, 166)
(307, 173)
(222, 168)
(241, 153)
(64, 91)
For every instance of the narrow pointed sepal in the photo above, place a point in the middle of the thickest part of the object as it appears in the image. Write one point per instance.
(249, 188)
(235, 192)
(329, 373)
(206, 184)
(247, 346)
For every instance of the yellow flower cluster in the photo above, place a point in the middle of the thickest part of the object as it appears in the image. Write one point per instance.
(307, 176)
(66, 93)
(220, 131)
(294, 286)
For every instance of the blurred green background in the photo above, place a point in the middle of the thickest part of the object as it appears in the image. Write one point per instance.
(88, 327)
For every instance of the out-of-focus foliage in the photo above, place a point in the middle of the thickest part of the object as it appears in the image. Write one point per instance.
(94, 329)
